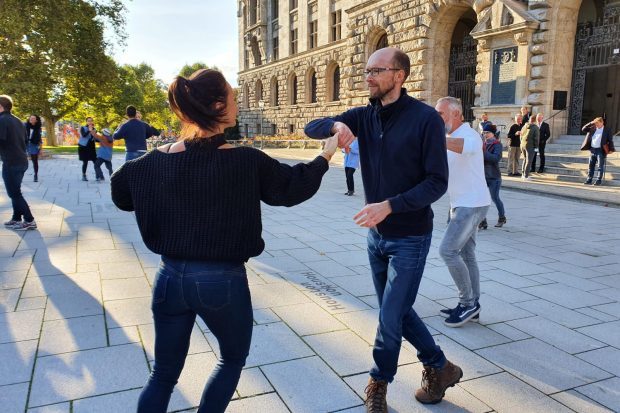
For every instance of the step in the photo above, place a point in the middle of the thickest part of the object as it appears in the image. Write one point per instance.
(613, 160)
(570, 168)
(569, 139)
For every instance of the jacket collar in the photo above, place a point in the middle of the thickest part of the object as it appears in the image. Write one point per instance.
(392, 107)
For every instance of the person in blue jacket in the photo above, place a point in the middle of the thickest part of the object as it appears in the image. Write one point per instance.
(402, 147)
(492, 155)
(135, 133)
(351, 163)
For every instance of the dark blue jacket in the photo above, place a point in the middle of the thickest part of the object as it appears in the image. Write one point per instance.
(135, 132)
(403, 159)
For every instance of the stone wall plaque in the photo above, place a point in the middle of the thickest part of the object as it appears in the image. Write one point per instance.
(504, 82)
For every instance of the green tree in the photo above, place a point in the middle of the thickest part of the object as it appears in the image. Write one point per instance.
(187, 70)
(53, 55)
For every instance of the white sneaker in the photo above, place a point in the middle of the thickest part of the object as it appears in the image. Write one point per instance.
(25, 226)
(11, 223)
(529, 178)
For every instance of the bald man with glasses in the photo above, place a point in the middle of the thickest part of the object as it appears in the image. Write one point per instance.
(404, 170)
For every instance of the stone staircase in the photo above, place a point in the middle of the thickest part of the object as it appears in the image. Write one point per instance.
(565, 171)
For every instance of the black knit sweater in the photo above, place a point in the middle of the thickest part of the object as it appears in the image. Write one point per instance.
(204, 203)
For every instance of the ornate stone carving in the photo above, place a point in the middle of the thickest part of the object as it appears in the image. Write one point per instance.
(521, 38)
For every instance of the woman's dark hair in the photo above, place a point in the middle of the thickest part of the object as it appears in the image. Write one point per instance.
(37, 124)
(193, 100)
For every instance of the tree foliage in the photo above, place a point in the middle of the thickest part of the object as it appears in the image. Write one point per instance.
(53, 55)
(188, 70)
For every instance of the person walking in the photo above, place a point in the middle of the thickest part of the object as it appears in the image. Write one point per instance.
(469, 203)
(514, 146)
(492, 151)
(529, 145)
(598, 136)
(135, 132)
(351, 163)
(197, 203)
(14, 165)
(545, 134)
(404, 170)
(86, 145)
(104, 153)
(34, 142)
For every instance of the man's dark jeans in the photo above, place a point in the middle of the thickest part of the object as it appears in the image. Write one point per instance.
(13, 176)
(597, 158)
(541, 152)
(217, 292)
(397, 265)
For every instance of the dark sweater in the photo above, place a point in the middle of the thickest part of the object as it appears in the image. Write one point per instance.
(403, 159)
(204, 203)
(12, 142)
(135, 133)
(515, 140)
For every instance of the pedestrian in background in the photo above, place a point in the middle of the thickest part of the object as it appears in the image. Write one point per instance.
(34, 142)
(135, 133)
(104, 153)
(492, 151)
(351, 163)
(529, 145)
(545, 134)
(514, 146)
(86, 145)
(598, 136)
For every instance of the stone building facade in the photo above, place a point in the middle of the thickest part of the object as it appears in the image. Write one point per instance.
(303, 59)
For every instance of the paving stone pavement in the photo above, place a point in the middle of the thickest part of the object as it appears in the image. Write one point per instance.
(76, 331)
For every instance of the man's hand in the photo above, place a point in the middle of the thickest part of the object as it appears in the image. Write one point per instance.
(345, 136)
(373, 214)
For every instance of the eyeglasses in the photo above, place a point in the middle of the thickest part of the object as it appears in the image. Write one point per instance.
(377, 70)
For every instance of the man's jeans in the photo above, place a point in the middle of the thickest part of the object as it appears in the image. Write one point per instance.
(528, 157)
(98, 171)
(397, 265)
(458, 251)
(597, 157)
(218, 292)
(514, 153)
(133, 155)
(13, 176)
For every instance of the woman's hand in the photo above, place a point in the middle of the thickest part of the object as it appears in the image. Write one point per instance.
(331, 145)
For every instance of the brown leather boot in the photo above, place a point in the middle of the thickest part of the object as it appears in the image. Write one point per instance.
(376, 393)
(436, 381)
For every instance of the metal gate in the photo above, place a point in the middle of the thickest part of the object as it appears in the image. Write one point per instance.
(462, 75)
(597, 53)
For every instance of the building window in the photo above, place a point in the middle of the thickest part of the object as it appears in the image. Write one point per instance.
(291, 128)
(246, 128)
(292, 89)
(313, 34)
(258, 92)
(259, 129)
(336, 85)
(293, 41)
(246, 59)
(292, 4)
(275, 92)
(275, 44)
(274, 129)
(311, 86)
(246, 96)
(336, 25)
(382, 43)
(274, 9)
(253, 12)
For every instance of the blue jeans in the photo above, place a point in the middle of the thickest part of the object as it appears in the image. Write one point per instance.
(133, 155)
(13, 176)
(494, 187)
(597, 157)
(458, 251)
(217, 292)
(397, 265)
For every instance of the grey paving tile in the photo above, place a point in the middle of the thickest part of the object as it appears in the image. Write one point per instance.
(400, 394)
(558, 336)
(573, 281)
(364, 323)
(351, 358)
(606, 392)
(494, 310)
(504, 393)
(299, 381)
(519, 267)
(195, 373)
(13, 397)
(308, 318)
(20, 325)
(119, 289)
(544, 367)
(52, 408)
(278, 294)
(87, 373)
(504, 292)
(607, 332)
(121, 402)
(607, 358)
(114, 269)
(508, 278)
(72, 304)
(508, 331)
(472, 364)
(263, 403)
(330, 269)
(579, 403)
(357, 285)
(597, 315)
(133, 311)
(263, 264)
(12, 279)
(8, 300)
(123, 335)
(198, 342)
(566, 296)
(471, 335)
(611, 309)
(265, 316)
(33, 303)
(62, 284)
(62, 336)
(557, 313)
(349, 258)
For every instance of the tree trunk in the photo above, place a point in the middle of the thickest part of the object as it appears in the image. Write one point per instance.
(50, 128)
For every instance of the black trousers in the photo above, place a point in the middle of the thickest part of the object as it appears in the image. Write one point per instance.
(349, 174)
(541, 152)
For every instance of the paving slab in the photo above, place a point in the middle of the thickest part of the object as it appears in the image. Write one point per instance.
(263, 403)
(121, 402)
(13, 397)
(606, 392)
(308, 318)
(607, 358)
(579, 403)
(20, 325)
(606, 332)
(73, 334)
(253, 382)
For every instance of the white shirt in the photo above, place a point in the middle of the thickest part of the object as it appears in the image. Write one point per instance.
(596, 138)
(466, 184)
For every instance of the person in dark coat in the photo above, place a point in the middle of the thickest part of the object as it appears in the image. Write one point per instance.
(492, 155)
(598, 137)
(33, 142)
(86, 145)
(545, 134)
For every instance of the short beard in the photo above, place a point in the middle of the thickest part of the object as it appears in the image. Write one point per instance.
(379, 94)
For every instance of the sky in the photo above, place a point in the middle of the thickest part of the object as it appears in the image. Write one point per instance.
(168, 34)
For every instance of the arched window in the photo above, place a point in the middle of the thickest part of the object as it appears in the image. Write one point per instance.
(311, 86)
(275, 92)
(258, 92)
(246, 96)
(382, 42)
(332, 76)
(292, 89)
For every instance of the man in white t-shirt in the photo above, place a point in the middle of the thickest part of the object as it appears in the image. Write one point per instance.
(469, 202)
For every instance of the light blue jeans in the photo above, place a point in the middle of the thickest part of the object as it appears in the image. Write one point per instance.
(458, 251)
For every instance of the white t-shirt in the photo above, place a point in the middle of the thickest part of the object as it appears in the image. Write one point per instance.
(466, 185)
(596, 138)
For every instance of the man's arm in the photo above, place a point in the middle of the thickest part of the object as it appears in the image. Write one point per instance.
(346, 124)
(455, 144)
(120, 132)
(4, 132)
